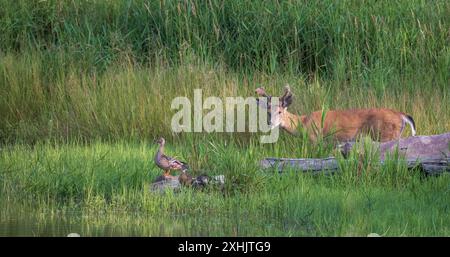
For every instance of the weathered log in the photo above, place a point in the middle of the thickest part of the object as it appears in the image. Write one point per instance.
(329, 165)
(326, 165)
(417, 147)
(430, 153)
(161, 184)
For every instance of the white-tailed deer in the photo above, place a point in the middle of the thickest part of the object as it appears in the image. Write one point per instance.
(380, 124)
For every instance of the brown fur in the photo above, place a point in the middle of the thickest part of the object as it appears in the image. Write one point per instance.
(381, 124)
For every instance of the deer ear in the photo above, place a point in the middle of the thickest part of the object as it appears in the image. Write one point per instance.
(286, 98)
(286, 101)
(263, 102)
(261, 92)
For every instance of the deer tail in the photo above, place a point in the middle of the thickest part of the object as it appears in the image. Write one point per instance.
(408, 119)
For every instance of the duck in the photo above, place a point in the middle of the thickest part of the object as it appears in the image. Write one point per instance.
(168, 163)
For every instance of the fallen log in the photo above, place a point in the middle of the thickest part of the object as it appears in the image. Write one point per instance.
(429, 153)
(431, 166)
(417, 147)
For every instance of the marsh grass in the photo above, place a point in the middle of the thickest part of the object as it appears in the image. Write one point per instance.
(133, 103)
(86, 142)
(103, 190)
(297, 36)
(88, 70)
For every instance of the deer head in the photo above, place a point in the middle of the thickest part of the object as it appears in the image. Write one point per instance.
(276, 112)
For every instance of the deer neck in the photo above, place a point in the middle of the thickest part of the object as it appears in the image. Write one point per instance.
(291, 122)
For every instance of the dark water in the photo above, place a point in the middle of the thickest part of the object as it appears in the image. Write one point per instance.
(20, 220)
(25, 221)
(28, 222)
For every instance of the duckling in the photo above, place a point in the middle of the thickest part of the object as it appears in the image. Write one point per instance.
(167, 163)
(200, 181)
(185, 179)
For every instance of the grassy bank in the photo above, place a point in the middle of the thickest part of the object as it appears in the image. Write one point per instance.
(104, 189)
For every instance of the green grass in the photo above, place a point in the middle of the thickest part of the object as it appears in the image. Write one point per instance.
(83, 70)
(104, 185)
(86, 86)
(298, 36)
(131, 102)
